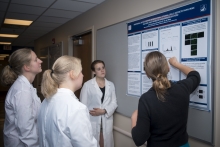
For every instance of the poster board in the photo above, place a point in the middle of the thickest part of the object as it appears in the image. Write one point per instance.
(112, 47)
(185, 33)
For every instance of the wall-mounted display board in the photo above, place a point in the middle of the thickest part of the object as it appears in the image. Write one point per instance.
(183, 30)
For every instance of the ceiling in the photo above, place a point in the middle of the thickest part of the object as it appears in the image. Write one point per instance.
(45, 14)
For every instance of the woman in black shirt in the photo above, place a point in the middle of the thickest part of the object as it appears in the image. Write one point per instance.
(161, 118)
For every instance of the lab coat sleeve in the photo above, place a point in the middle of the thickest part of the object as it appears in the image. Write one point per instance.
(110, 109)
(84, 95)
(25, 118)
(80, 129)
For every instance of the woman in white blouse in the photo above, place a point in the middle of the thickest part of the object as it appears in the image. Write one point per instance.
(22, 103)
(98, 94)
(63, 121)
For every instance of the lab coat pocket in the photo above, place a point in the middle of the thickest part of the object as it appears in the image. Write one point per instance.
(109, 126)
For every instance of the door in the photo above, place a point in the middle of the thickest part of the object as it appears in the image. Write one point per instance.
(82, 48)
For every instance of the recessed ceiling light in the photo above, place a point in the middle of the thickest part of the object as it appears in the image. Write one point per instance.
(17, 22)
(5, 42)
(9, 35)
(4, 55)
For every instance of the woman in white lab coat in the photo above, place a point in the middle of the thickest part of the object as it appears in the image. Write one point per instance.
(22, 103)
(63, 121)
(98, 94)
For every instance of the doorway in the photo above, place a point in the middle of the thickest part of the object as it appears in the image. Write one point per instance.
(82, 48)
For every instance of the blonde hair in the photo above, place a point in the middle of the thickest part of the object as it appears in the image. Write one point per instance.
(52, 78)
(156, 68)
(17, 60)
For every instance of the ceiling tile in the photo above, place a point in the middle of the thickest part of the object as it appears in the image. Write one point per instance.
(21, 16)
(36, 31)
(3, 6)
(92, 1)
(39, 3)
(6, 39)
(2, 14)
(11, 30)
(53, 19)
(26, 9)
(40, 28)
(72, 5)
(61, 13)
(4, 1)
(45, 24)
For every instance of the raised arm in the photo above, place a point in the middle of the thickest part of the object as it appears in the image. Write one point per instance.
(183, 68)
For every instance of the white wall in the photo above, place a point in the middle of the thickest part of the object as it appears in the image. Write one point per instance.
(114, 11)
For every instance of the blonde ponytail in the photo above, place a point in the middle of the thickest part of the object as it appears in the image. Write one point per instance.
(52, 78)
(48, 84)
(160, 85)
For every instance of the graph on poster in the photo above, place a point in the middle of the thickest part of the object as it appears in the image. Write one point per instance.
(183, 32)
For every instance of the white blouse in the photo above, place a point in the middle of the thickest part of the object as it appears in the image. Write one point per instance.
(21, 107)
(64, 122)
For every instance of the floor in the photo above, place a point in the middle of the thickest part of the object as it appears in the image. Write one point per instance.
(2, 116)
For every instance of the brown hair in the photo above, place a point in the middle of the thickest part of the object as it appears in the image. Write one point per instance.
(52, 78)
(17, 60)
(156, 68)
(96, 62)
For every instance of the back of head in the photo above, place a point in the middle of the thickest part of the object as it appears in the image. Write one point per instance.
(157, 68)
(52, 78)
(17, 60)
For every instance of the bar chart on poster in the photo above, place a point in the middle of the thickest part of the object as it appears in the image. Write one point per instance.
(183, 30)
(184, 33)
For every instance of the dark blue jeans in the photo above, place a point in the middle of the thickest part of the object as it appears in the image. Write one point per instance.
(185, 145)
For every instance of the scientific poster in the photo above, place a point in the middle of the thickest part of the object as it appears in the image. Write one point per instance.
(183, 32)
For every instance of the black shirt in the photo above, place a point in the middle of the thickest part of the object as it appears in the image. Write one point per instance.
(163, 124)
(103, 93)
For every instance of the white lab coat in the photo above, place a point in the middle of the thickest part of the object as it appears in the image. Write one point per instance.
(64, 122)
(91, 96)
(21, 108)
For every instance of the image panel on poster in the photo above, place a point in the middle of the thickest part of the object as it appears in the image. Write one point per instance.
(199, 98)
(134, 79)
(169, 38)
(134, 51)
(150, 39)
(194, 38)
(200, 65)
(146, 83)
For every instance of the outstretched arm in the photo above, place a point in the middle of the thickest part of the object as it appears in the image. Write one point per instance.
(183, 68)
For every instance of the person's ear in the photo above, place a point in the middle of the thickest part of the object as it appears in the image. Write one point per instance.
(72, 75)
(26, 68)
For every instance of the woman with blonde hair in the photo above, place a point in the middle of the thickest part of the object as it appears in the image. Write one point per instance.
(161, 118)
(63, 121)
(22, 103)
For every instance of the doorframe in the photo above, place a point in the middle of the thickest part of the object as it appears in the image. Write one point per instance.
(70, 41)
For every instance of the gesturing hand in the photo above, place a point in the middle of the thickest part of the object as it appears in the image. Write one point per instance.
(97, 112)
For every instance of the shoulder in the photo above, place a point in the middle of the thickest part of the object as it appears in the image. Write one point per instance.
(89, 82)
(110, 83)
(150, 95)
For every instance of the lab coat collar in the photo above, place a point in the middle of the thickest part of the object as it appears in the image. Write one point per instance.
(99, 92)
(24, 79)
(67, 91)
